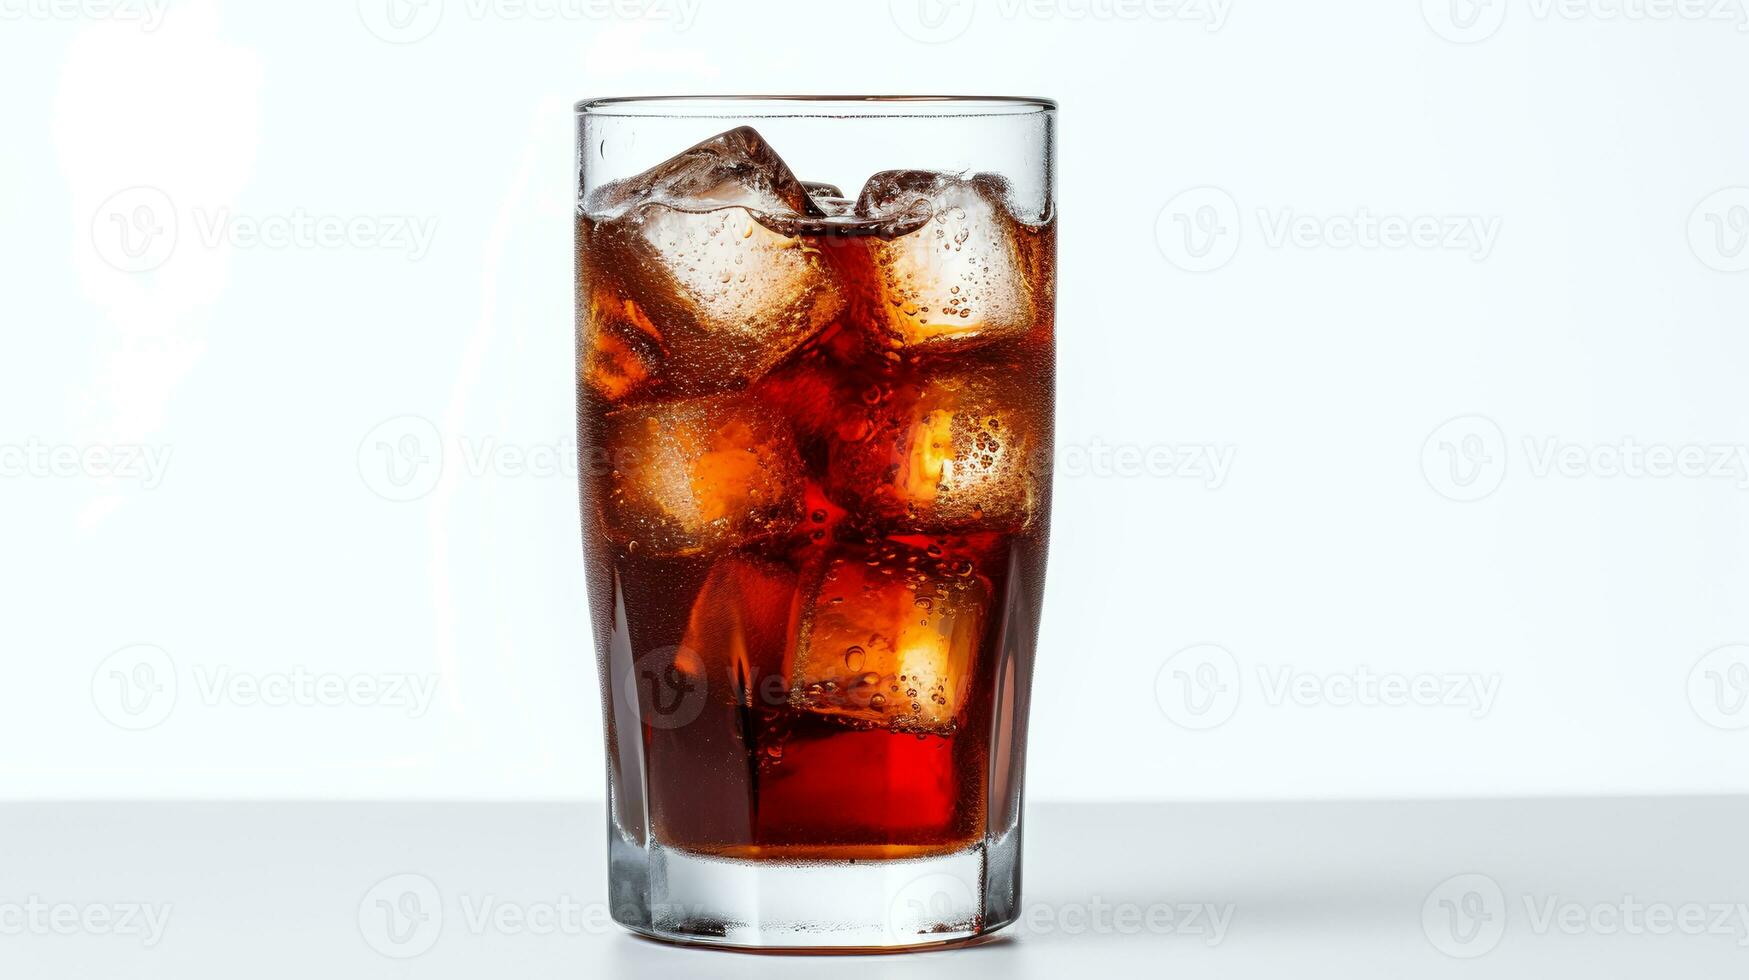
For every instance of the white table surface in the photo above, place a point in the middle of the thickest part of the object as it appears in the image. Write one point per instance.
(1592, 888)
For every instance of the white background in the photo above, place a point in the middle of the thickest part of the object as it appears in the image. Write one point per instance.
(1353, 536)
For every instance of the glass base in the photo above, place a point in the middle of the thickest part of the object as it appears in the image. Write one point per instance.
(847, 906)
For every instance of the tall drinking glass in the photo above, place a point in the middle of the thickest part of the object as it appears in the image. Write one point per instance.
(815, 358)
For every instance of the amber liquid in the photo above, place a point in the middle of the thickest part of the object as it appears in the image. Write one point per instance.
(765, 723)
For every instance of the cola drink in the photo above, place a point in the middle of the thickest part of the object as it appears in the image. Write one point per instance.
(816, 437)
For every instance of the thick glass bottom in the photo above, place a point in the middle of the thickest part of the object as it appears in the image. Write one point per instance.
(798, 905)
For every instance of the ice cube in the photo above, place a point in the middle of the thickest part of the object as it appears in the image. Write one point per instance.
(619, 346)
(889, 637)
(733, 169)
(700, 475)
(699, 245)
(948, 448)
(959, 274)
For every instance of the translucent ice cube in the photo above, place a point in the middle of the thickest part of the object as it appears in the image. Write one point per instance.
(733, 169)
(693, 242)
(619, 346)
(890, 637)
(959, 277)
(700, 475)
(950, 448)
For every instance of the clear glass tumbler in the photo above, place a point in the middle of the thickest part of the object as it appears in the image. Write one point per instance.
(815, 342)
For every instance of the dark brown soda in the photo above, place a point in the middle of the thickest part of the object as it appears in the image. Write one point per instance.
(718, 743)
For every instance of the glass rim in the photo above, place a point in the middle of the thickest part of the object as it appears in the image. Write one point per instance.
(814, 106)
